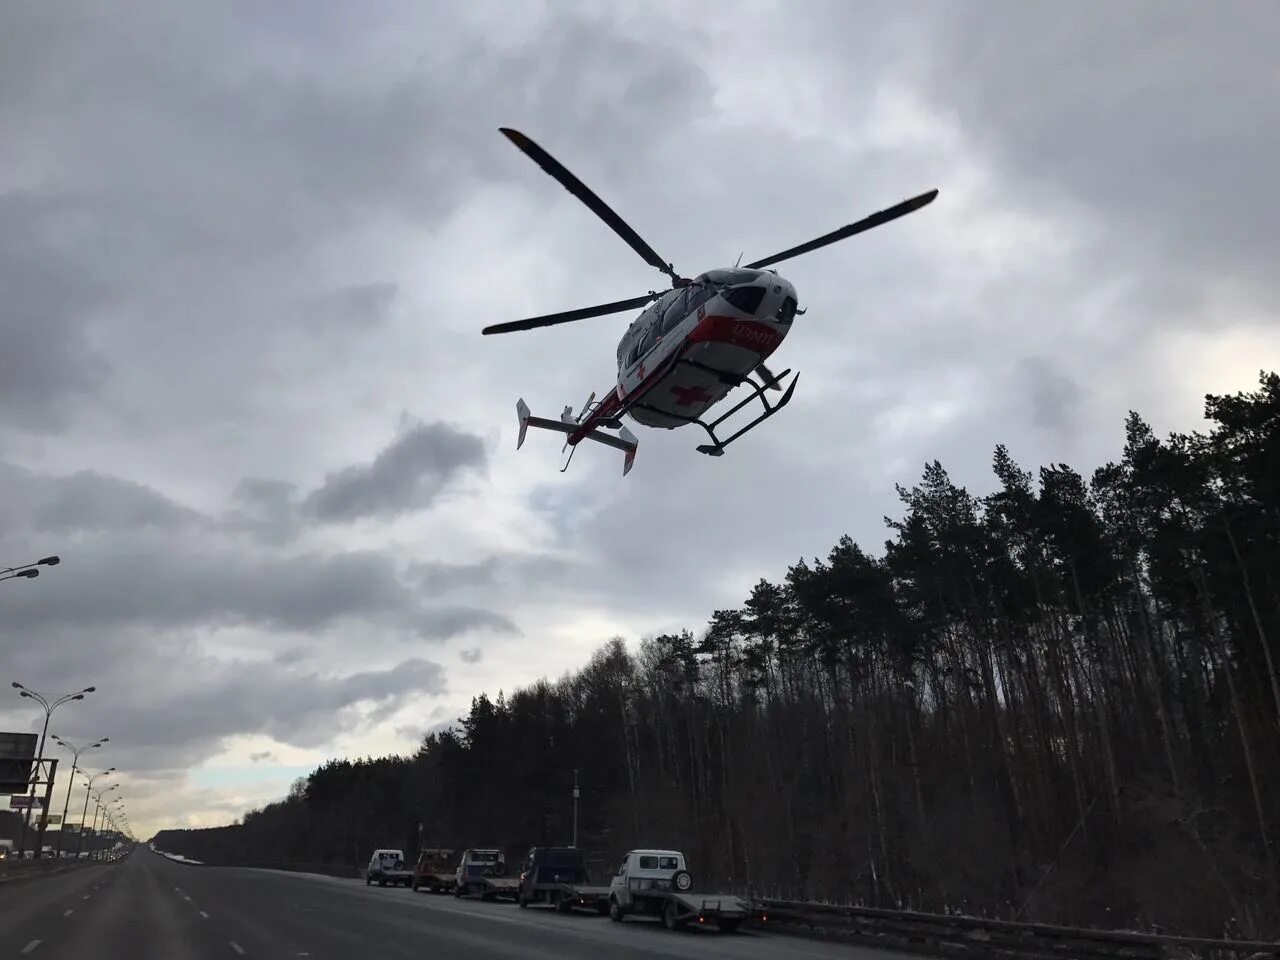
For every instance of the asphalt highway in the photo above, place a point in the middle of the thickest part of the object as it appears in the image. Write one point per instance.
(147, 907)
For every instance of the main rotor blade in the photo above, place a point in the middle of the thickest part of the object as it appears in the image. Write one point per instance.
(597, 206)
(875, 220)
(569, 315)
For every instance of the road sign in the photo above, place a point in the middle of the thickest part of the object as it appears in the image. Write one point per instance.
(17, 752)
(52, 820)
(24, 803)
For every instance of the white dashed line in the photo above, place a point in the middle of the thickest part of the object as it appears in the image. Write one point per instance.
(234, 946)
(85, 897)
(203, 914)
(31, 946)
(67, 913)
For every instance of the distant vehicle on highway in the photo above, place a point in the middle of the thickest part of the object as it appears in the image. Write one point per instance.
(435, 870)
(657, 883)
(387, 866)
(558, 876)
(482, 872)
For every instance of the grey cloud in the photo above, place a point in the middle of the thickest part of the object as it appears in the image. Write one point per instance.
(143, 559)
(46, 361)
(261, 756)
(186, 705)
(474, 655)
(1150, 116)
(356, 308)
(1055, 397)
(439, 577)
(269, 509)
(159, 583)
(409, 474)
(87, 500)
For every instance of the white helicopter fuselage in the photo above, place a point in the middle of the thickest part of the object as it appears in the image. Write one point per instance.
(689, 348)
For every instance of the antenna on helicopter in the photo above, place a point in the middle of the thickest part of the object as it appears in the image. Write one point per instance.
(739, 260)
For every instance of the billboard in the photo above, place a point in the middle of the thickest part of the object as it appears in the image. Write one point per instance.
(17, 754)
(25, 803)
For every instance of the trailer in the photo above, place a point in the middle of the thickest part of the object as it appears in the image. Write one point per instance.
(558, 876)
(656, 883)
(482, 872)
(435, 870)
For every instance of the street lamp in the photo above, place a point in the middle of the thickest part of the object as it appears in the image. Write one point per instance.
(27, 569)
(84, 813)
(99, 807)
(48, 711)
(107, 809)
(71, 781)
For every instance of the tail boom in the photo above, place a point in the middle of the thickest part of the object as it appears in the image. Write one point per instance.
(573, 430)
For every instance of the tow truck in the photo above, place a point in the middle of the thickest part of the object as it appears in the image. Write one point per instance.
(558, 876)
(435, 870)
(482, 872)
(657, 883)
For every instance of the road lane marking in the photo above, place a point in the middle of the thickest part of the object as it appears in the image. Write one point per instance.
(203, 914)
(67, 913)
(31, 946)
(236, 947)
(85, 897)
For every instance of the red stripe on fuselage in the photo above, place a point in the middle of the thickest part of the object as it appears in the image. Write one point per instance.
(748, 334)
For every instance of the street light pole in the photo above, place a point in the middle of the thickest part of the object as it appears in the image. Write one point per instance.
(84, 813)
(105, 809)
(105, 806)
(71, 780)
(48, 712)
(575, 807)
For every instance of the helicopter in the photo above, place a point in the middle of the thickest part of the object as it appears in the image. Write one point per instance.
(692, 344)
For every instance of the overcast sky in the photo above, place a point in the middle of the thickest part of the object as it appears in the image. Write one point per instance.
(246, 251)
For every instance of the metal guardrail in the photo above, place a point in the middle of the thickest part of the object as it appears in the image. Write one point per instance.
(977, 937)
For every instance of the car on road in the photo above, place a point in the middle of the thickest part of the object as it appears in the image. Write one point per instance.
(657, 883)
(558, 876)
(482, 872)
(435, 870)
(388, 866)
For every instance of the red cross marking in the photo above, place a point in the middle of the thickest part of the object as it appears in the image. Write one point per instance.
(687, 396)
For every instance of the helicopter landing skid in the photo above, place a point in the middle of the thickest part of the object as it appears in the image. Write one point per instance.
(716, 447)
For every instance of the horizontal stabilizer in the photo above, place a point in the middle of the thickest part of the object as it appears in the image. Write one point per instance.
(624, 441)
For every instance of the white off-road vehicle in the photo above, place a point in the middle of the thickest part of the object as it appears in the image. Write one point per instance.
(657, 883)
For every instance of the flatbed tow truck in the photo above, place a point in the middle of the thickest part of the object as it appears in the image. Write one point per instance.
(435, 870)
(558, 876)
(656, 883)
(482, 872)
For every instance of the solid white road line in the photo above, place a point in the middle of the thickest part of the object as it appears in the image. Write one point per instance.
(67, 913)
(31, 946)
(234, 946)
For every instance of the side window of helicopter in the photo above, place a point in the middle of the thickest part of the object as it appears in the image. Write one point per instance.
(651, 335)
(697, 297)
(676, 311)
